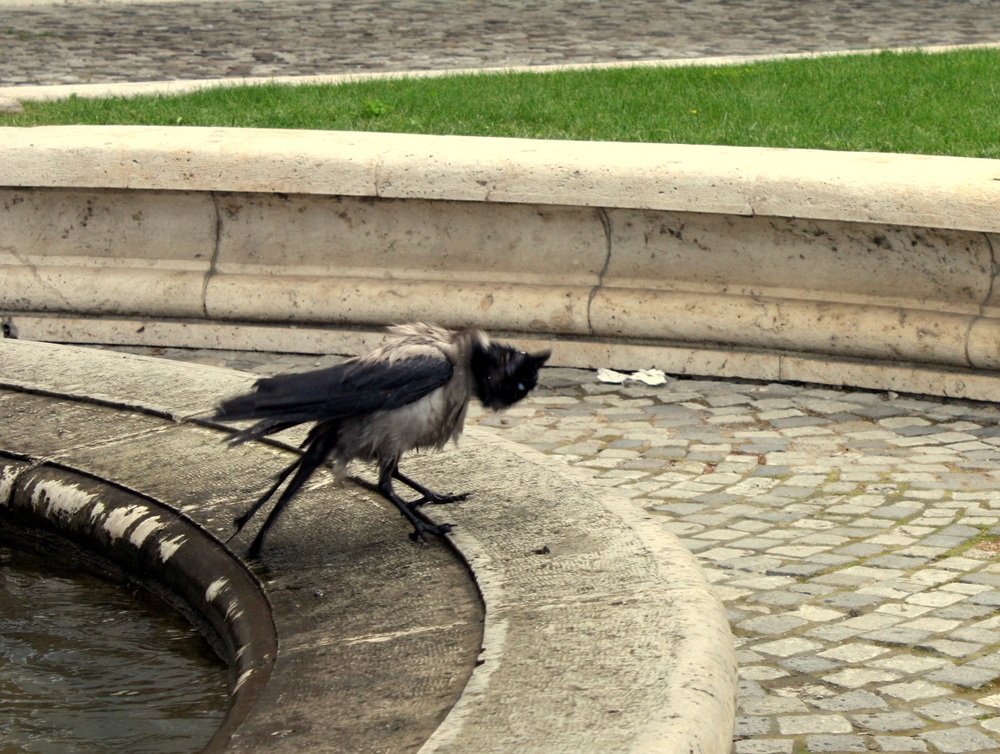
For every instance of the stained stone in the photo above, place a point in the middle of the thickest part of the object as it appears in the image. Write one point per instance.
(991, 599)
(913, 690)
(835, 744)
(969, 677)
(960, 740)
(807, 664)
(951, 648)
(752, 726)
(853, 678)
(765, 746)
(896, 635)
(798, 569)
(796, 724)
(900, 744)
(771, 624)
(851, 700)
(885, 722)
(950, 710)
(771, 705)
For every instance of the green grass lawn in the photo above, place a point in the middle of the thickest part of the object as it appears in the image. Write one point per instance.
(944, 103)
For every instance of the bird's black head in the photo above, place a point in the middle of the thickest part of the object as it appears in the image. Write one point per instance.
(503, 374)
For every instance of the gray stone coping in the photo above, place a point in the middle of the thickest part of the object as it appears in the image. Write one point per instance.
(601, 633)
(167, 553)
(958, 193)
(695, 259)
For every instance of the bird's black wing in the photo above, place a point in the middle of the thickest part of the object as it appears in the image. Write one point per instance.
(350, 389)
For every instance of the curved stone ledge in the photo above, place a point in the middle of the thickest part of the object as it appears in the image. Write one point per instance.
(163, 550)
(773, 253)
(601, 633)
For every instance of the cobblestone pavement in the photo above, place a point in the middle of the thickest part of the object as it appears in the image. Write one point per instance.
(87, 43)
(853, 535)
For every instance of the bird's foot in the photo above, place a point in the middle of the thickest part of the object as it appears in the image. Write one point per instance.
(421, 529)
(436, 499)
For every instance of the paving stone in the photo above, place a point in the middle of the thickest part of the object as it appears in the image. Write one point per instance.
(951, 648)
(969, 677)
(752, 564)
(950, 710)
(959, 740)
(958, 530)
(904, 562)
(813, 613)
(830, 559)
(854, 652)
(895, 512)
(857, 699)
(914, 690)
(907, 611)
(788, 647)
(779, 598)
(797, 724)
(753, 726)
(899, 743)
(896, 635)
(765, 746)
(772, 705)
(760, 672)
(991, 661)
(992, 724)
(992, 599)
(850, 600)
(835, 744)
(861, 549)
(853, 678)
(982, 577)
(798, 569)
(808, 664)
(911, 663)
(834, 633)
(885, 722)
(936, 598)
(747, 689)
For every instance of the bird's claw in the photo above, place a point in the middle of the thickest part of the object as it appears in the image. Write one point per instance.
(436, 499)
(421, 529)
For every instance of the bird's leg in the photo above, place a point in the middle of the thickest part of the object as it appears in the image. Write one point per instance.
(242, 521)
(317, 446)
(421, 525)
(429, 496)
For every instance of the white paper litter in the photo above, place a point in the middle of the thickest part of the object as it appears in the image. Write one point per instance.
(610, 375)
(648, 376)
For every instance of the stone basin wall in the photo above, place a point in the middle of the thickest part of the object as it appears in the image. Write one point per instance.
(866, 269)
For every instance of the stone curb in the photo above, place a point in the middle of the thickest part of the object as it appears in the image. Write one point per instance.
(695, 259)
(144, 537)
(48, 93)
(610, 641)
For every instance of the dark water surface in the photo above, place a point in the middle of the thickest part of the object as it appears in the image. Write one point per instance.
(91, 665)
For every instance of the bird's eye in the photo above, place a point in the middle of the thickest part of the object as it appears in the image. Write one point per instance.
(520, 386)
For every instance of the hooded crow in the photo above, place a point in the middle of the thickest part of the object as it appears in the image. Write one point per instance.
(411, 393)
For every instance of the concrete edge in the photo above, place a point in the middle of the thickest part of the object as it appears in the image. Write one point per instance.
(53, 92)
(145, 537)
(677, 359)
(958, 193)
(699, 689)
